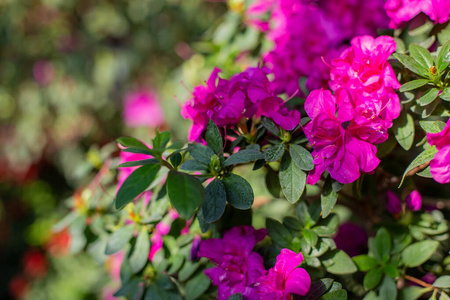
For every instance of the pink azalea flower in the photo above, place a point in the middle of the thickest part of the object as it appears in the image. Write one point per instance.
(284, 278)
(246, 95)
(401, 11)
(414, 201)
(333, 135)
(440, 164)
(351, 238)
(393, 204)
(363, 69)
(237, 266)
(142, 109)
(43, 72)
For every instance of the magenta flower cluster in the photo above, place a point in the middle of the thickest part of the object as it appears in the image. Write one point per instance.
(394, 205)
(345, 126)
(241, 270)
(306, 32)
(246, 95)
(401, 11)
(440, 164)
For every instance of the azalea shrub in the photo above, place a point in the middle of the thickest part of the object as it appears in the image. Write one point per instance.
(317, 163)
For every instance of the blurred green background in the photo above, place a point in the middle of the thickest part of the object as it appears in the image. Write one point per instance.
(65, 68)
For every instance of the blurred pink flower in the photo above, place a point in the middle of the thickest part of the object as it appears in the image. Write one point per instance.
(284, 278)
(440, 164)
(237, 266)
(43, 72)
(351, 238)
(393, 204)
(401, 11)
(142, 109)
(414, 201)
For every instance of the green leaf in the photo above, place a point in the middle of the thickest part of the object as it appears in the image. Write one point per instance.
(310, 237)
(365, 262)
(323, 231)
(425, 173)
(424, 157)
(139, 257)
(432, 126)
(444, 296)
(292, 179)
(342, 263)
(197, 286)
(138, 163)
(416, 254)
(421, 55)
(382, 245)
(414, 84)
(318, 288)
(133, 143)
(388, 289)
(273, 183)
(328, 197)
(119, 238)
(215, 201)
(443, 57)
(372, 278)
(135, 184)
(391, 270)
(303, 215)
(175, 159)
(411, 293)
(128, 287)
(193, 165)
(204, 226)
(213, 137)
(201, 153)
(161, 140)
(336, 295)
(243, 156)
(442, 282)
(292, 223)
(429, 97)
(239, 191)
(411, 64)
(445, 95)
(278, 233)
(274, 153)
(301, 157)
(270, 126)
(186, 193)
(404, 130)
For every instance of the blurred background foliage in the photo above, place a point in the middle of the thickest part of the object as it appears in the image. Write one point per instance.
(65, 68)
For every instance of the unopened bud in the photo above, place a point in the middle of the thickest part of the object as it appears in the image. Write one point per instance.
(433, 70)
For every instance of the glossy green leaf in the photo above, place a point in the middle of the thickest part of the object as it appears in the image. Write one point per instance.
(118, 239)
(442, 282)
(201, 153)
(239, 191)
(139, 257)
(391, 270)
(388, 289)
(424, 157)
(411, 64)
(213, 137)
(135, 184)
(193, 165)
(196, 286)
(416, 254)
(328, 197)
(270, 126)
(292, 179)
(133, 143)
(432, 126)
(443, 57)
(278, 233)
(186, 193)
(273, 183)
(404, 130)
(336, 295)
(138, 163)
(421, 55)
(383, 245)
(429, 97)
(243, 156)
(372, 278)
(413, 84)
(310, 236)
(411, 293)
(301, 157)
(342, 263)
(215, 201)
(445, 95)
(274, 153)
(365, 262)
